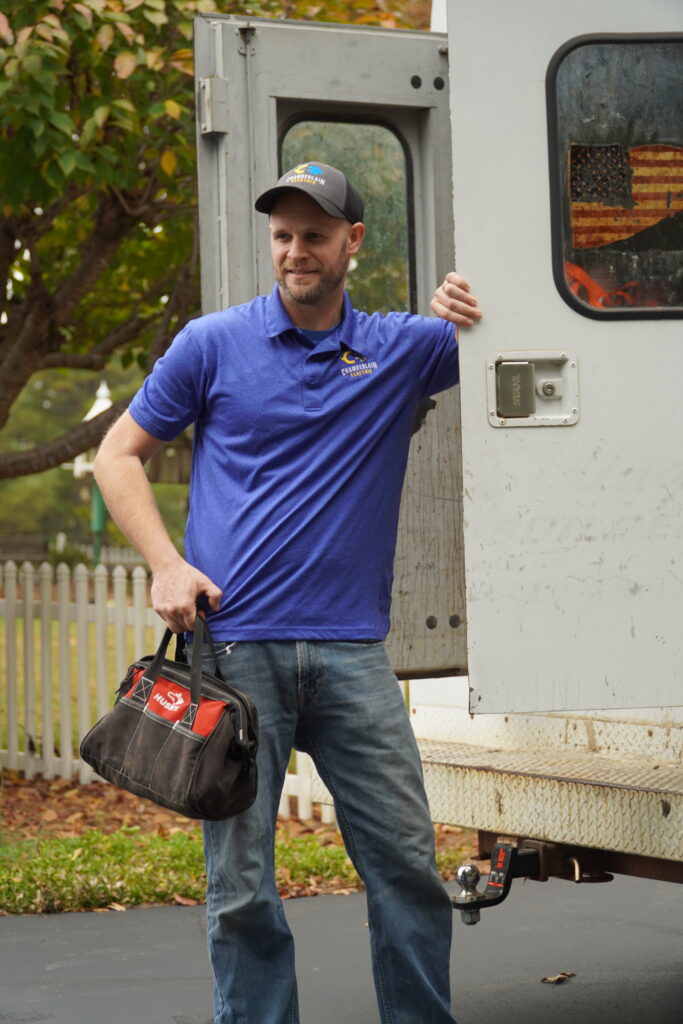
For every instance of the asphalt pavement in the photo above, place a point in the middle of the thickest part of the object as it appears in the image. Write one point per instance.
(622, 941)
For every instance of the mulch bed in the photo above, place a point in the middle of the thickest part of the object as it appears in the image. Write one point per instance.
(64, 808)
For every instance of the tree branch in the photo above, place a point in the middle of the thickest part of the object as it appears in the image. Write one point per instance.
(85, 435)
(33, 226)
(97, 357)
(142, 205)
(180, 301)
(111, 226)
(8, 235)
(23, 357)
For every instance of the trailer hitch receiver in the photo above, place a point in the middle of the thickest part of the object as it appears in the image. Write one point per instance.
(507, 862)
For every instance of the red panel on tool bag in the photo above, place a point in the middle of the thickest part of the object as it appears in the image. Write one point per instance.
(168, 700)
(171, 701)
(208, 715)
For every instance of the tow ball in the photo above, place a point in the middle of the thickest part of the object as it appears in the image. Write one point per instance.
(507, 862)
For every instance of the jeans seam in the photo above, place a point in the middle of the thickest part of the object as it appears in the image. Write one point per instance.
(214, 884)
(299, 674)
(380, 973)
(319, 760)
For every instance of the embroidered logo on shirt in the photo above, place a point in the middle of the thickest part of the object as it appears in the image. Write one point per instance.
(356, 364)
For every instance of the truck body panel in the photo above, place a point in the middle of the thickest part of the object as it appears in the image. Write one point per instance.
(573, 516)
(573, 511)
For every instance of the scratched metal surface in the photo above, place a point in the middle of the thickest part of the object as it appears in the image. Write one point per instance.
(558, 766)
(621, 804)
(573, 553)
(583, 799)
(438, 712)
(428, 613)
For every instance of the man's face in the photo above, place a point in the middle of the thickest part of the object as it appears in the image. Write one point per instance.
(311, 250)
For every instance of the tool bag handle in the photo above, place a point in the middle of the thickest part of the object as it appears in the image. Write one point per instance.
(201, 635)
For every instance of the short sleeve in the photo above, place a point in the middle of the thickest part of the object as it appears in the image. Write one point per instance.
(171, 397)
(440, 368)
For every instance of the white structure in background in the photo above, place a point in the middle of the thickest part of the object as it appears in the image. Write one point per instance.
(67, 638)
(82, 465)
(438, 22)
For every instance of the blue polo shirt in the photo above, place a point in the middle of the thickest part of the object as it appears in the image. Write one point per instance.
(300, 449)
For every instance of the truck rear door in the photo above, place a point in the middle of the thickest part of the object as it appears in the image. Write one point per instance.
(272, 94)
(568, 175)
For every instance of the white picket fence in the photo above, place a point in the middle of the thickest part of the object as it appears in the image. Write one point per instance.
(66, 640)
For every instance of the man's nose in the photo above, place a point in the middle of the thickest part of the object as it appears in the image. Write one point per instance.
(297, 249)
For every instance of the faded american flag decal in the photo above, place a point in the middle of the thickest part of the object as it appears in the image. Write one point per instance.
(616, 192)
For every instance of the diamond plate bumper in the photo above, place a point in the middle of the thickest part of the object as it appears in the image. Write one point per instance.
(628, 806)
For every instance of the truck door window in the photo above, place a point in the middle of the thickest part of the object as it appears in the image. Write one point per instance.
(615, 115)
(381, 277)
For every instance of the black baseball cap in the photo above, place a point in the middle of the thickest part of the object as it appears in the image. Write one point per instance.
(331, 189)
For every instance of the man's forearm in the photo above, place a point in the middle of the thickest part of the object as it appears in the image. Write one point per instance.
(120, 474)
(129, 498)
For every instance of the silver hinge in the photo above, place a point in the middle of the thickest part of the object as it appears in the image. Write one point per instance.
(213, 105)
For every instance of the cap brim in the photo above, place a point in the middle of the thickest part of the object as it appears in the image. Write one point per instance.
(266, 201)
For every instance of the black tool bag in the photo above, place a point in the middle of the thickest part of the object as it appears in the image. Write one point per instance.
(179, 736)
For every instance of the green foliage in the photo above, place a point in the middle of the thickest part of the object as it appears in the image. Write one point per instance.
(383, 13)
(302, 859)
(55, 501)
(43, 505)
(96, 101)
(98, 242)
(97, 186)
(94, 93)
(130, 867)
(125, 867)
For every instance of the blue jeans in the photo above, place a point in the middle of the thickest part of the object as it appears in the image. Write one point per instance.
(340, 703)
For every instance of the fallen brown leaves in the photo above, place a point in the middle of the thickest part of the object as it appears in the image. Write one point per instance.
(65, 809)
(59, 807)
(314, 886)
(450, 837)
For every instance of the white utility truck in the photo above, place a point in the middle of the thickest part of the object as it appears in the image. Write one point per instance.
(538, 600)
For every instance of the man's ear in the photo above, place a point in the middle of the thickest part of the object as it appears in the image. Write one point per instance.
(355, 237)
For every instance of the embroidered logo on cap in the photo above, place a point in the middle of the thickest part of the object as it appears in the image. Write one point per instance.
(311, 174)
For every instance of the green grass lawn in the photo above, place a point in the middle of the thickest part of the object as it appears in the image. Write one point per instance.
(128, 867)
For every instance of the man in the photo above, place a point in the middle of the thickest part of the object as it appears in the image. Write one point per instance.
(303, 409)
